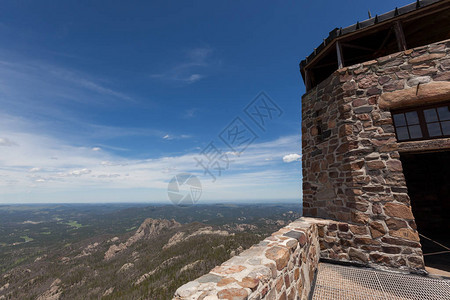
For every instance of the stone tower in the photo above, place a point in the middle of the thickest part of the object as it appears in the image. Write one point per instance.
(376, 135)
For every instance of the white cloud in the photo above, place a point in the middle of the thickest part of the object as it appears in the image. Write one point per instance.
(48, 79)
(291, 158)
(51, 95)
(199, 55)
(197, 60)
(115, 163)
(80, 174)
(108, 175)
(190, 113)
(193, 78)
(96, 149)
(7, 142)
(176, 137)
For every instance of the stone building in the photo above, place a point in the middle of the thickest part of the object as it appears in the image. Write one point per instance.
(376, 135)
(376, 160)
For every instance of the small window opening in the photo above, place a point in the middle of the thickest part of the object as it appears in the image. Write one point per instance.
(422, 123)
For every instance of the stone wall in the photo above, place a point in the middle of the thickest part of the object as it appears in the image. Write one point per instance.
(351, 167)
(280, 267)
(355, 243)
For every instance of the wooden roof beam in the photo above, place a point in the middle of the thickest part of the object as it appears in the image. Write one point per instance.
(340, 58)
(401, 41)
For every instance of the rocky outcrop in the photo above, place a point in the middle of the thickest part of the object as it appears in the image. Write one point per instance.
(53, 293)
(108, 292)
(163, 265)
(125, 267)
(145, 276)
(91, 248)
(243, 227)
(190, 266)
(181, 236)
(4, 287)
(175, 239)
(148, 229)
(208, 230)
(114, 249)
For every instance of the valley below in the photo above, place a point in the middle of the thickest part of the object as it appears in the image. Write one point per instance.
(123, 251)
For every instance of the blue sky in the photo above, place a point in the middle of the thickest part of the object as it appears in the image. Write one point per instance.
(105, 101)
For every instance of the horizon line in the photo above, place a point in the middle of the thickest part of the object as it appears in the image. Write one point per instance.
(259, 201)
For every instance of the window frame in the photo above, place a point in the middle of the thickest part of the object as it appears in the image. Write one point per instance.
(422, 121)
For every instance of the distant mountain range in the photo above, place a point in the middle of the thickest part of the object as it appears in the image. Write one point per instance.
(148, 261)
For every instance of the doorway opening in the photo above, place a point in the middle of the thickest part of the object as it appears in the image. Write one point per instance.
(428, 181)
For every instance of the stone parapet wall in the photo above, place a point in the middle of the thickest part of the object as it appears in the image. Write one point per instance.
(280, 267)
(345, 242)
(352, 171)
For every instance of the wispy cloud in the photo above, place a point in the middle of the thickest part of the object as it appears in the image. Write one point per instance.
(7, 142)
(32, 78)
(195, 67)
(94, 131)
(193, 78)
(31, 171)
(176, 137)
(190, 113)
(77, 173)
(199, 55)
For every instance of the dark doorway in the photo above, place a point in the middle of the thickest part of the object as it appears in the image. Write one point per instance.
(428, 180)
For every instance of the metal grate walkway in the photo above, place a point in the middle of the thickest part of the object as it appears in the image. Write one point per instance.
(342, 282)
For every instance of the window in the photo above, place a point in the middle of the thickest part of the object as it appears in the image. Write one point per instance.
(422, 123)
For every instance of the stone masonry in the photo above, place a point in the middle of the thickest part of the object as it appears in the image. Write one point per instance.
(351, 167)
(280, 267)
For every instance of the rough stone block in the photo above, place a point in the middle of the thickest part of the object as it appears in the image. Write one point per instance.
(233, 294)
(375, 164)
(377, 229)
(394, 224)
(405, 233)
(398, 211)
(425, 57)
(357, 255)
(249, 282)
(280, 255)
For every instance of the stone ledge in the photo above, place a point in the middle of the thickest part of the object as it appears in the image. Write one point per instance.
(281, 266)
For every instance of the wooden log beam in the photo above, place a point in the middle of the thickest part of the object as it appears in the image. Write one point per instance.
(325, 65)
(401, 41)
(346, 45)
(339, 55)
(307, 79)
